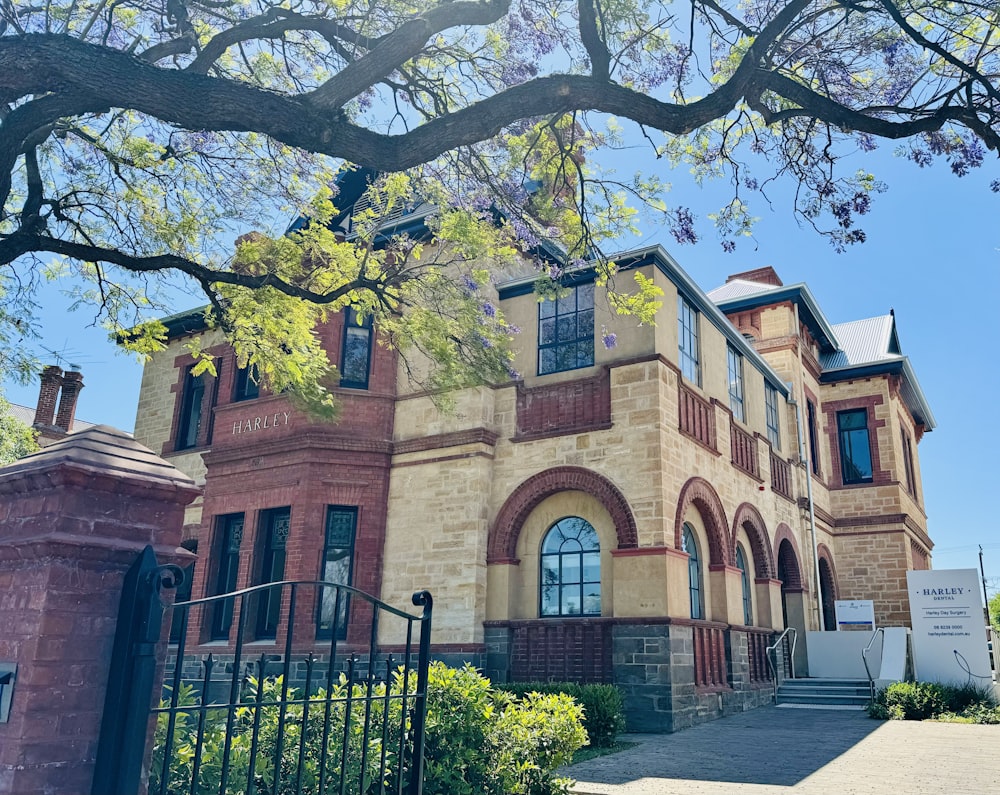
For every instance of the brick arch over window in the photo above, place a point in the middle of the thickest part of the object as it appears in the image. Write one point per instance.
(699, 493)
(529, 495)
(786, 555)
(750, 520)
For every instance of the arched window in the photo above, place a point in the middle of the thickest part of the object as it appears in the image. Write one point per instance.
(694, 573)
(741, 564)
(571, 569)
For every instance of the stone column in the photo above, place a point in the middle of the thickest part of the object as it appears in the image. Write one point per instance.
(73, 518)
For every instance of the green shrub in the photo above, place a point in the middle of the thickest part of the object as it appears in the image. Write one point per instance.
(477, 740)
(927, 700)
(603, 706)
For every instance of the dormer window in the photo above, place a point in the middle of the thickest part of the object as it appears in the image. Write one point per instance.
(566, 331)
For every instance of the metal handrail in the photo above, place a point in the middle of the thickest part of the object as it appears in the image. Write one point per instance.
(791, 656)
(864, 658)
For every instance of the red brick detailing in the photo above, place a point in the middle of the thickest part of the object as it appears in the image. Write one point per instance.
(697, 417)
(72, 383)
(744, 450)
(699, 493)
(525, 498)
(642, 551)
(567, 407)
(710, 669)
(561, 650)
(747, 323)
(749, 519)
(880, 477)
(765, 275)
(48, 394)
(443, 440)
(824, 554)
(786, 555)
(921, 559)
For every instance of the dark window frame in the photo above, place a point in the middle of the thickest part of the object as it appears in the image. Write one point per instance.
(696, 593)
(355, 330)
(853, 450)
(340, 621)
(246, 385)
(688, 343)
(741, 564)
(560, 557)
(811, 422)
(192, 410)
(578, 346)
(273, 529)
(734, 369)
(911, 477)
(771, 415)
(229, 529)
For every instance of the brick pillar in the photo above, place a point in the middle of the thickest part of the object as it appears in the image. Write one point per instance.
(73, 518)
(71, 386)
(48, 395)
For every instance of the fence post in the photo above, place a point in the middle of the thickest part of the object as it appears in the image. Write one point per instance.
(421, 598)
(73, 518)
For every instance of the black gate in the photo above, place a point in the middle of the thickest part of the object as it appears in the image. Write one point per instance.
(288, 713)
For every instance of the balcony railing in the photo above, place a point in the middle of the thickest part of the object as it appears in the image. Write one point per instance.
(697, 417)
(781, 476)
(744, 448)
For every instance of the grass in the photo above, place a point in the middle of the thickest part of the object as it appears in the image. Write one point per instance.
(588, 753)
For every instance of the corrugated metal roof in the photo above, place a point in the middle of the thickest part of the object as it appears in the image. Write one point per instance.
(27, 416)
(739, 288)
(861, 342)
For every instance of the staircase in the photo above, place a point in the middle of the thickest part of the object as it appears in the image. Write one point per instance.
(820, 693)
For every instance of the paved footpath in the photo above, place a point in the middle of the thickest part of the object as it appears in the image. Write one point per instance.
(778, 751)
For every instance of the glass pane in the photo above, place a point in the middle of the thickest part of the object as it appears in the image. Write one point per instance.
(354, 368)
(340, 528)
(585, 296)
(567, 304)
(585, 323)
(336, 569)
(585, 353)
(566, 328)
(547, 309)
(546, 331)
(550, 570)
(592, 599)
(550, 600)
(592, 567)
(553, 539)
(571, 568)
(571, 600)
(546, 361)
(852, 420)
(588, 536)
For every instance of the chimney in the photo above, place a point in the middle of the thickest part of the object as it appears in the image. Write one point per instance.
(72, 383)
(765, 275)
(48, 394)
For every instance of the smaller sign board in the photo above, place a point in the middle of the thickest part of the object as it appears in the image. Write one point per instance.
(853, 614)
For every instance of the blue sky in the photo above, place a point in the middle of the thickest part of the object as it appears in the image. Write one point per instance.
(933, 255)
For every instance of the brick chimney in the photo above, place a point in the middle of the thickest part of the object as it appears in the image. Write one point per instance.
(72, 383)
(765, 275)
(48, 394)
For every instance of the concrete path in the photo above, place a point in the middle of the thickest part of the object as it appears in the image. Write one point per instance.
(773, 751)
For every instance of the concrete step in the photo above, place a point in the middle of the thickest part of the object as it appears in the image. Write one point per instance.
(824, 692)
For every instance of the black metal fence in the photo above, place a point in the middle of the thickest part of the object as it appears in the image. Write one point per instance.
(289, 715)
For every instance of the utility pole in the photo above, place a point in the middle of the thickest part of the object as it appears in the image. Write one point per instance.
(986, 599)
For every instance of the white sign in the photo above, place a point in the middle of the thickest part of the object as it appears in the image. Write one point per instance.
(949, 638)
(855, 614)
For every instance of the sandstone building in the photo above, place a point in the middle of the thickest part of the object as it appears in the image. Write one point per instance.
(639, 515)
